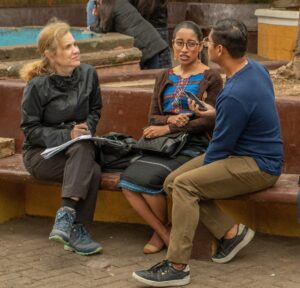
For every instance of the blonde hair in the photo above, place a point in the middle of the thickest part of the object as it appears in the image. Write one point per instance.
(47, 41)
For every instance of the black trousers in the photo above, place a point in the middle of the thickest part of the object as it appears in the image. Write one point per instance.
(76, 169)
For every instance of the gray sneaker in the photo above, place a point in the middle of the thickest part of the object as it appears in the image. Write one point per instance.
(64, 220)
(81, 242)
(163, 274)
(228, 248)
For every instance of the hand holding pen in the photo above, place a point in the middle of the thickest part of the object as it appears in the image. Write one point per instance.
(79, 130)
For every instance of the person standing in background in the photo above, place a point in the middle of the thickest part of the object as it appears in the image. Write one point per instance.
(156, 12)
(91, 18)
(122, 17)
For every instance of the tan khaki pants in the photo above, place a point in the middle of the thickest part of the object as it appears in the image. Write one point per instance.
(194, 187)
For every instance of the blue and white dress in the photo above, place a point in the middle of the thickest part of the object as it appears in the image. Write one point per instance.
(147, 174)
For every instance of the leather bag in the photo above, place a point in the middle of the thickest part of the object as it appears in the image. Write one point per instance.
(167, 145)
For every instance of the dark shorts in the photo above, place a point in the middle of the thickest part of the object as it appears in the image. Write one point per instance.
(148, 173)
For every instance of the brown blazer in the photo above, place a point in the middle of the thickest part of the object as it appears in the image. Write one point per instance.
(212, 84)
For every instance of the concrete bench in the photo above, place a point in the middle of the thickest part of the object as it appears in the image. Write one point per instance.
(125, 110)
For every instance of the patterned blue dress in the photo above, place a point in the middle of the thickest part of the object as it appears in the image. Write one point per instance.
(147, 174)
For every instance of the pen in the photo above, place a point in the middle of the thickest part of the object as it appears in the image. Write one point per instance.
(73, 123)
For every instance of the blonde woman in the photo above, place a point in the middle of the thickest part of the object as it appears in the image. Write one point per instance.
(61, 101)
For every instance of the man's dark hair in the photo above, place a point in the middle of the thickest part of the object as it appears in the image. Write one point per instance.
(233, 35)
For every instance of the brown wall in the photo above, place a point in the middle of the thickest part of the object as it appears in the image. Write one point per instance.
(74, 14)
(205, 14)
(126, 110)
(38, 3)
(224, 1)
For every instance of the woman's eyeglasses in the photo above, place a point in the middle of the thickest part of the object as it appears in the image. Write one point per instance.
(191, 45)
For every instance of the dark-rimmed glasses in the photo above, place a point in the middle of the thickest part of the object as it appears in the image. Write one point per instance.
(191, 45)
(206, 40)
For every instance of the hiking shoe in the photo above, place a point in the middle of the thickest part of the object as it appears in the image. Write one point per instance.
(163, 274)
(228, 248)
(64, 220)
(81, 242)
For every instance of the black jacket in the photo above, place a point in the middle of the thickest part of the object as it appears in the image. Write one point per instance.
(52, 104)
(158, 17)
(125, 19)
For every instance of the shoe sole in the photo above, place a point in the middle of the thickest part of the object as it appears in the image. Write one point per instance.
(58, 239)
(247, 239)
(180, 282)
(97, 251)
(151, 249)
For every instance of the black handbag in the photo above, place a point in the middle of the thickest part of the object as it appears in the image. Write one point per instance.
(115, 151)
(168, 145)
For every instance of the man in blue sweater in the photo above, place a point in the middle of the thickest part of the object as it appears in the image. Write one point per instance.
(244, 156)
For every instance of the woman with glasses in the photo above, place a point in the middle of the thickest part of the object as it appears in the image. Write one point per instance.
(170, 112)
(122, 17)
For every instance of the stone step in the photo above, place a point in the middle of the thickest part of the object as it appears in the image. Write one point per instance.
(100, 42)
(7, 147)
(116, 59)
(113, 57)
(141, 83)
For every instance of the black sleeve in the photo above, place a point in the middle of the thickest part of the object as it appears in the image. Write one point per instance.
(31, 121)
(96, 27)
(95, 105)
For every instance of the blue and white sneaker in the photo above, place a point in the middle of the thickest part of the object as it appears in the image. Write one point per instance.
(64, 220)
(81, 242)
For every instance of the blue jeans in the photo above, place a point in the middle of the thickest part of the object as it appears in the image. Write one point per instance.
(90, 18)
(152, 63)
(165, 60)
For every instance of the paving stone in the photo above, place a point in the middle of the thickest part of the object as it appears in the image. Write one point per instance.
(29, 260)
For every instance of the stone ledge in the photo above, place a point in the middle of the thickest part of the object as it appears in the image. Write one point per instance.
(100, 42)
(110, 58)
(7, 147)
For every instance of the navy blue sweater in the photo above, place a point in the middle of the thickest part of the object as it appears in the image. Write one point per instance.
(247, 122)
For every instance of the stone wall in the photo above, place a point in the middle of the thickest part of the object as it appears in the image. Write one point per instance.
(206, 14)
(225, 2)
(74, 14)
(38, 3)
(38, 12)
